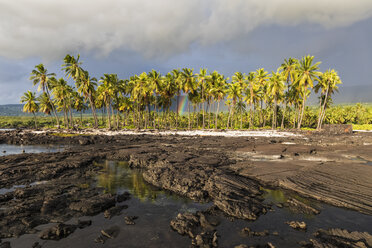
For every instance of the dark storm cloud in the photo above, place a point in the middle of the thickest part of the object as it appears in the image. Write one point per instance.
(159, 28)
(130, 36)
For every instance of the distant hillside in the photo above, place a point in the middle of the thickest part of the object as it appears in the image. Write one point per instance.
(11, 110)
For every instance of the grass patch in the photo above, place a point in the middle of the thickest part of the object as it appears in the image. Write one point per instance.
(66, 134)
(367, 127)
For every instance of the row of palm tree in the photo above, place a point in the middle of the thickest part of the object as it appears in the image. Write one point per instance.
(145, 100)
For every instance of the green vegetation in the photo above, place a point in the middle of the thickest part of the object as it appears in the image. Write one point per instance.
(254, 100)
(66, 134)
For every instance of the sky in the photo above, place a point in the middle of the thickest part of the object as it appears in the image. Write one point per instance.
(128, 37)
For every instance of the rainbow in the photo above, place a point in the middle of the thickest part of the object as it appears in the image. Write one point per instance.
(182, 106)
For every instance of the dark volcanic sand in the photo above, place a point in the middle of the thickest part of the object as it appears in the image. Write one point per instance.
(229, 172)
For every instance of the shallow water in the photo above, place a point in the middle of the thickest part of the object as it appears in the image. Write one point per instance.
(13, 188)
(6, 149)
(156, 208)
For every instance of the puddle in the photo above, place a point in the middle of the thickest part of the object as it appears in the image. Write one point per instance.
(6, 149)
(156, 208)
(358, 158)
(7, 190)
(118, 177)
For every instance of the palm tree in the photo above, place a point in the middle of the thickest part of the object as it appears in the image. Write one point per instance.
(217, 90)
(276, 90)
(307, 73)
(289, 68)
(72, 67)
(63, 93)
(251, 95)
(41, 77)
(261, 79)
(328, 85)
(178, 82)
(240, 79)
(86, 87)
(202, 79)
(31, 105)
(78, 105)
(233, 93)
(168, 90)
(188, 86)
(156, 80)
(45, 104)
(105, 92)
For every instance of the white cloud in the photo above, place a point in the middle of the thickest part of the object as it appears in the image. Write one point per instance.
(157, 28)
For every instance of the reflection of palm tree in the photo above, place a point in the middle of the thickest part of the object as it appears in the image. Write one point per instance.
(118, 176)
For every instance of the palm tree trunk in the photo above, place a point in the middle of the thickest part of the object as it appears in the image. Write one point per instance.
(241, 118)
(117, 118)
(53, 108)
(284, 112)
(155, 113)
(302, 113)
(188, 106)
(324, 109)
(209, 116)
(178, 99)
(65, 115)
(218, 106)
(113, 117)
(108, 115)
(94, 113)
(320, 111)
(275, 117)
(35, 120)
(295, 115)
(228, 118)
(203, 107)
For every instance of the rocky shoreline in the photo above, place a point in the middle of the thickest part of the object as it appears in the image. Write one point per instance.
(230, 172)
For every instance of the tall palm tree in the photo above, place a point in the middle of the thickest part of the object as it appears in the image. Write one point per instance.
(262, 77)
(72, 67)
(240, 79)
(218, 91)
(105, 92)
(63, 94)
(289, 68)
(276, 90)
(202, 79)
(233, 93)
(78, 105)
(251, 95)
(86, 87)
(169, 89)
(45, 104)
(41, 77)
(327, 84)
(177, 79)
(188, 86)
(31, 105)
(156, 80)
(307, 73)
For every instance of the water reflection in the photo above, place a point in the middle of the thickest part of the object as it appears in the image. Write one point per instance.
(6, 149)
(117, 177)
(275, 196)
